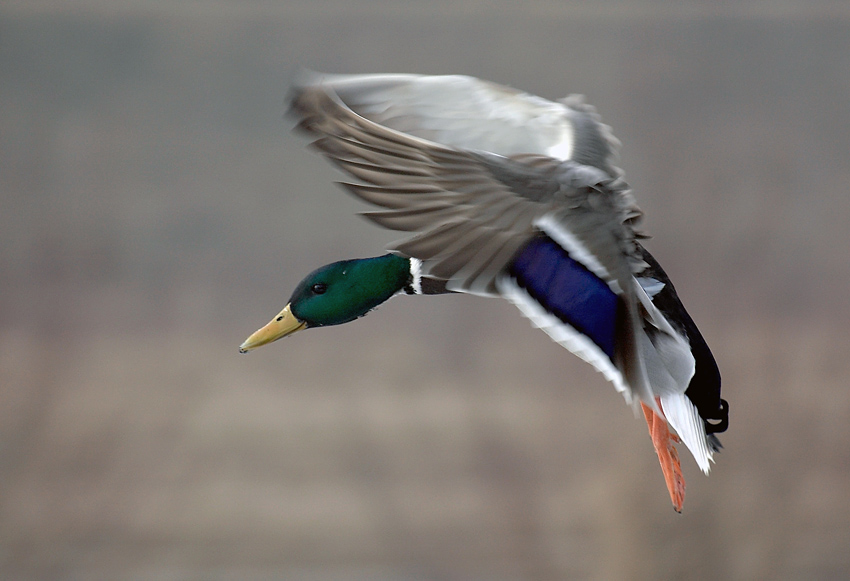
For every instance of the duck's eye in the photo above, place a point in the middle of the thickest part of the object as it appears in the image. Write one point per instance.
(319, 288)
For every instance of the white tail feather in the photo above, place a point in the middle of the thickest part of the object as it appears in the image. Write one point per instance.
(682, 415)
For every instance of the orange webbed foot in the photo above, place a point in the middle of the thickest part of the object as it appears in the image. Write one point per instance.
(668, 456)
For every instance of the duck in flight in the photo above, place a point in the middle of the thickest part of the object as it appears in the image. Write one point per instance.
(509, 195)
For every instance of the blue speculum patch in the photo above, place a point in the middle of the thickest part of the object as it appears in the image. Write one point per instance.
(568, 290)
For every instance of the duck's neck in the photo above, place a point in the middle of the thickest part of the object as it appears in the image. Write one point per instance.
(375, 280)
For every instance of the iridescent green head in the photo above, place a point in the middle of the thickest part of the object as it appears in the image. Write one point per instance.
(335, 294)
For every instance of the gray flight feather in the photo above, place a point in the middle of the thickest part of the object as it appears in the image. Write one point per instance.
(475, 171)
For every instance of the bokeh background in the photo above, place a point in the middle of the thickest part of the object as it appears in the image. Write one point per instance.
(155, 209)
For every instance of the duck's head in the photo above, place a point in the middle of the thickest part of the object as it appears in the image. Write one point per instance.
(335, 294)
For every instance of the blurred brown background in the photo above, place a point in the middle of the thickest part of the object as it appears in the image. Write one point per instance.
(155, 209)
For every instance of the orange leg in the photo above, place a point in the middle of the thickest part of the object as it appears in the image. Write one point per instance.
(663, 441)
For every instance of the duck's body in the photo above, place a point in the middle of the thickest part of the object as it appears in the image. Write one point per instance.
(511, 195)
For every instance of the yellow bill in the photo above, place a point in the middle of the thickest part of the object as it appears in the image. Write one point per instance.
(285, 323)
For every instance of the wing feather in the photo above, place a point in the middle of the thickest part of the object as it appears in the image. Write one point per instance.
(406, 174)
(475, 196)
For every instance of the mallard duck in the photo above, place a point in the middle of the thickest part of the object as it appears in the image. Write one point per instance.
(514, 196)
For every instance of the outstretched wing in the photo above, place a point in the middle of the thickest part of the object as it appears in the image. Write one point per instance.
(477, 171)
(473, 196)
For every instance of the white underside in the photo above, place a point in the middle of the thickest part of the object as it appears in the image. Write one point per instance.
(670, 365)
